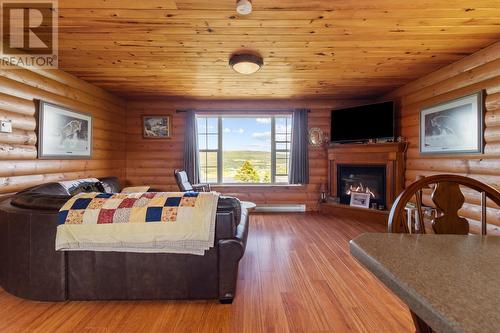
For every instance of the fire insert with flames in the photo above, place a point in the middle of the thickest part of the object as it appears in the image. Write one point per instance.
(370, 179)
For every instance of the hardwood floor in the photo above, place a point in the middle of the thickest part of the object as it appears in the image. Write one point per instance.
(296, 276)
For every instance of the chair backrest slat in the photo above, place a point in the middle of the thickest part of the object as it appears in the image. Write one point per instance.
(421, 224)
(448, 199)
(484, 223)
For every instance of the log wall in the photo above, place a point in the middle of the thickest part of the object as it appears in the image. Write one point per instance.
(471, 74)
(19, 166)
(152, 162)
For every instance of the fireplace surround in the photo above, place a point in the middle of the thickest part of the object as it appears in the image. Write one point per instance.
(389, 161)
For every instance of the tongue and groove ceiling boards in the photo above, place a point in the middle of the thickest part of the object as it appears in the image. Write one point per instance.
(311, 48)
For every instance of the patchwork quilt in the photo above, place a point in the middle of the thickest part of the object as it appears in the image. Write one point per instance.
(168, 222)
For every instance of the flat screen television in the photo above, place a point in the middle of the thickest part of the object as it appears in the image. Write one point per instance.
(362, 123)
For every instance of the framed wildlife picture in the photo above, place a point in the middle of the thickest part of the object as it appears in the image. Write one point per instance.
(453, 127)
(63, 133)
(156, 127)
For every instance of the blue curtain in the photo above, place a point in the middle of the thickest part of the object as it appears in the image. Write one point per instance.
(191, 156)
(299, 161)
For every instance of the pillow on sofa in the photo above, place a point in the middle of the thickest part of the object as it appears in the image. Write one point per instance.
(136, 189)
(72, 185)
(88, 187)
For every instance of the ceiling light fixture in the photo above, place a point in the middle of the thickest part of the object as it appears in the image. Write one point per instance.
(243, 7)
(246, 63)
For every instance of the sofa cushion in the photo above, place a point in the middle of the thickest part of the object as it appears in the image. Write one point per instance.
(52, 196)
(111, 184)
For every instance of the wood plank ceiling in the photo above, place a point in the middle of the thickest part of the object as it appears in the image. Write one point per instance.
(311, 48)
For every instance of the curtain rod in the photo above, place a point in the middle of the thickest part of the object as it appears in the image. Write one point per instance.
(240, 110)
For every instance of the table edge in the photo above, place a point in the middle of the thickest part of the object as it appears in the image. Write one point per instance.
(416, 303)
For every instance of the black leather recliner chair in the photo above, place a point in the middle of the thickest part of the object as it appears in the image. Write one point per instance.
(185, 186)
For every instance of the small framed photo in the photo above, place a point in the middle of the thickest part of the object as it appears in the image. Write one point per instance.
(63, 133)
(361, 200)
(156, 127)
(453, 127)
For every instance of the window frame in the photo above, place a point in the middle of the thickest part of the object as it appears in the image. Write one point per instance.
(207, 150)
(274, 151)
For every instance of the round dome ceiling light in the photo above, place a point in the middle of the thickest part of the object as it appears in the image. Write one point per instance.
(246, 63)
(243, 7)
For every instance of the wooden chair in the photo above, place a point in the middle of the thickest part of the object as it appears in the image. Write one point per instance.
(185, 186)
(448, 199)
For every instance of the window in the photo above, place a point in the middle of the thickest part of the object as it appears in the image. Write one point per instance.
(281, 153)
(244, 149)
(208, 146)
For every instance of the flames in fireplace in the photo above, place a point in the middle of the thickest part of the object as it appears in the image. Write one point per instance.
(360, 188)
(368, 179)
(354, 184)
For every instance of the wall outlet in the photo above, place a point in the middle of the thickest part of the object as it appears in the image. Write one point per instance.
(6, 126)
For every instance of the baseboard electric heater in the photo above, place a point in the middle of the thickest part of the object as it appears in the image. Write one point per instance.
(280, 208)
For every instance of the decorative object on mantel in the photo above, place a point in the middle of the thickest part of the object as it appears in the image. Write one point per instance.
(246, 63)
(359, 199)
(243, 7)
(156, 127)
(317, 137)
(63, 133)
(453, 127)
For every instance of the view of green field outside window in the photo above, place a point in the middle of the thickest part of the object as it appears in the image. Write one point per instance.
(246, 149)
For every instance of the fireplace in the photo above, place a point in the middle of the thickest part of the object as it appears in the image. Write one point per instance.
(377, 168)
(369, 179)
(379, 165)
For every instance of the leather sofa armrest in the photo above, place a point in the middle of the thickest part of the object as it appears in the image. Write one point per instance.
(224, 227)
(242, 228)
(39, 201)
(232, 220)
(230, 253)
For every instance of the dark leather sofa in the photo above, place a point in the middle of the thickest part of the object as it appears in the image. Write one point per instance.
(31, 268)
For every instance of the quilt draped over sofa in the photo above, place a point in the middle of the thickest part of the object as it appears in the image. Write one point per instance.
(138, 222)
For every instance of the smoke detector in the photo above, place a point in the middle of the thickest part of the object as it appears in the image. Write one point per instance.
(243, 7)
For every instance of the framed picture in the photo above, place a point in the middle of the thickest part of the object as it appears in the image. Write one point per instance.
(63, 133)
(361, 200)
(453, 127)
(156, 127)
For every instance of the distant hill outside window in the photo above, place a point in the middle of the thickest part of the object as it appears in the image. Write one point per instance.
(244, 149)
